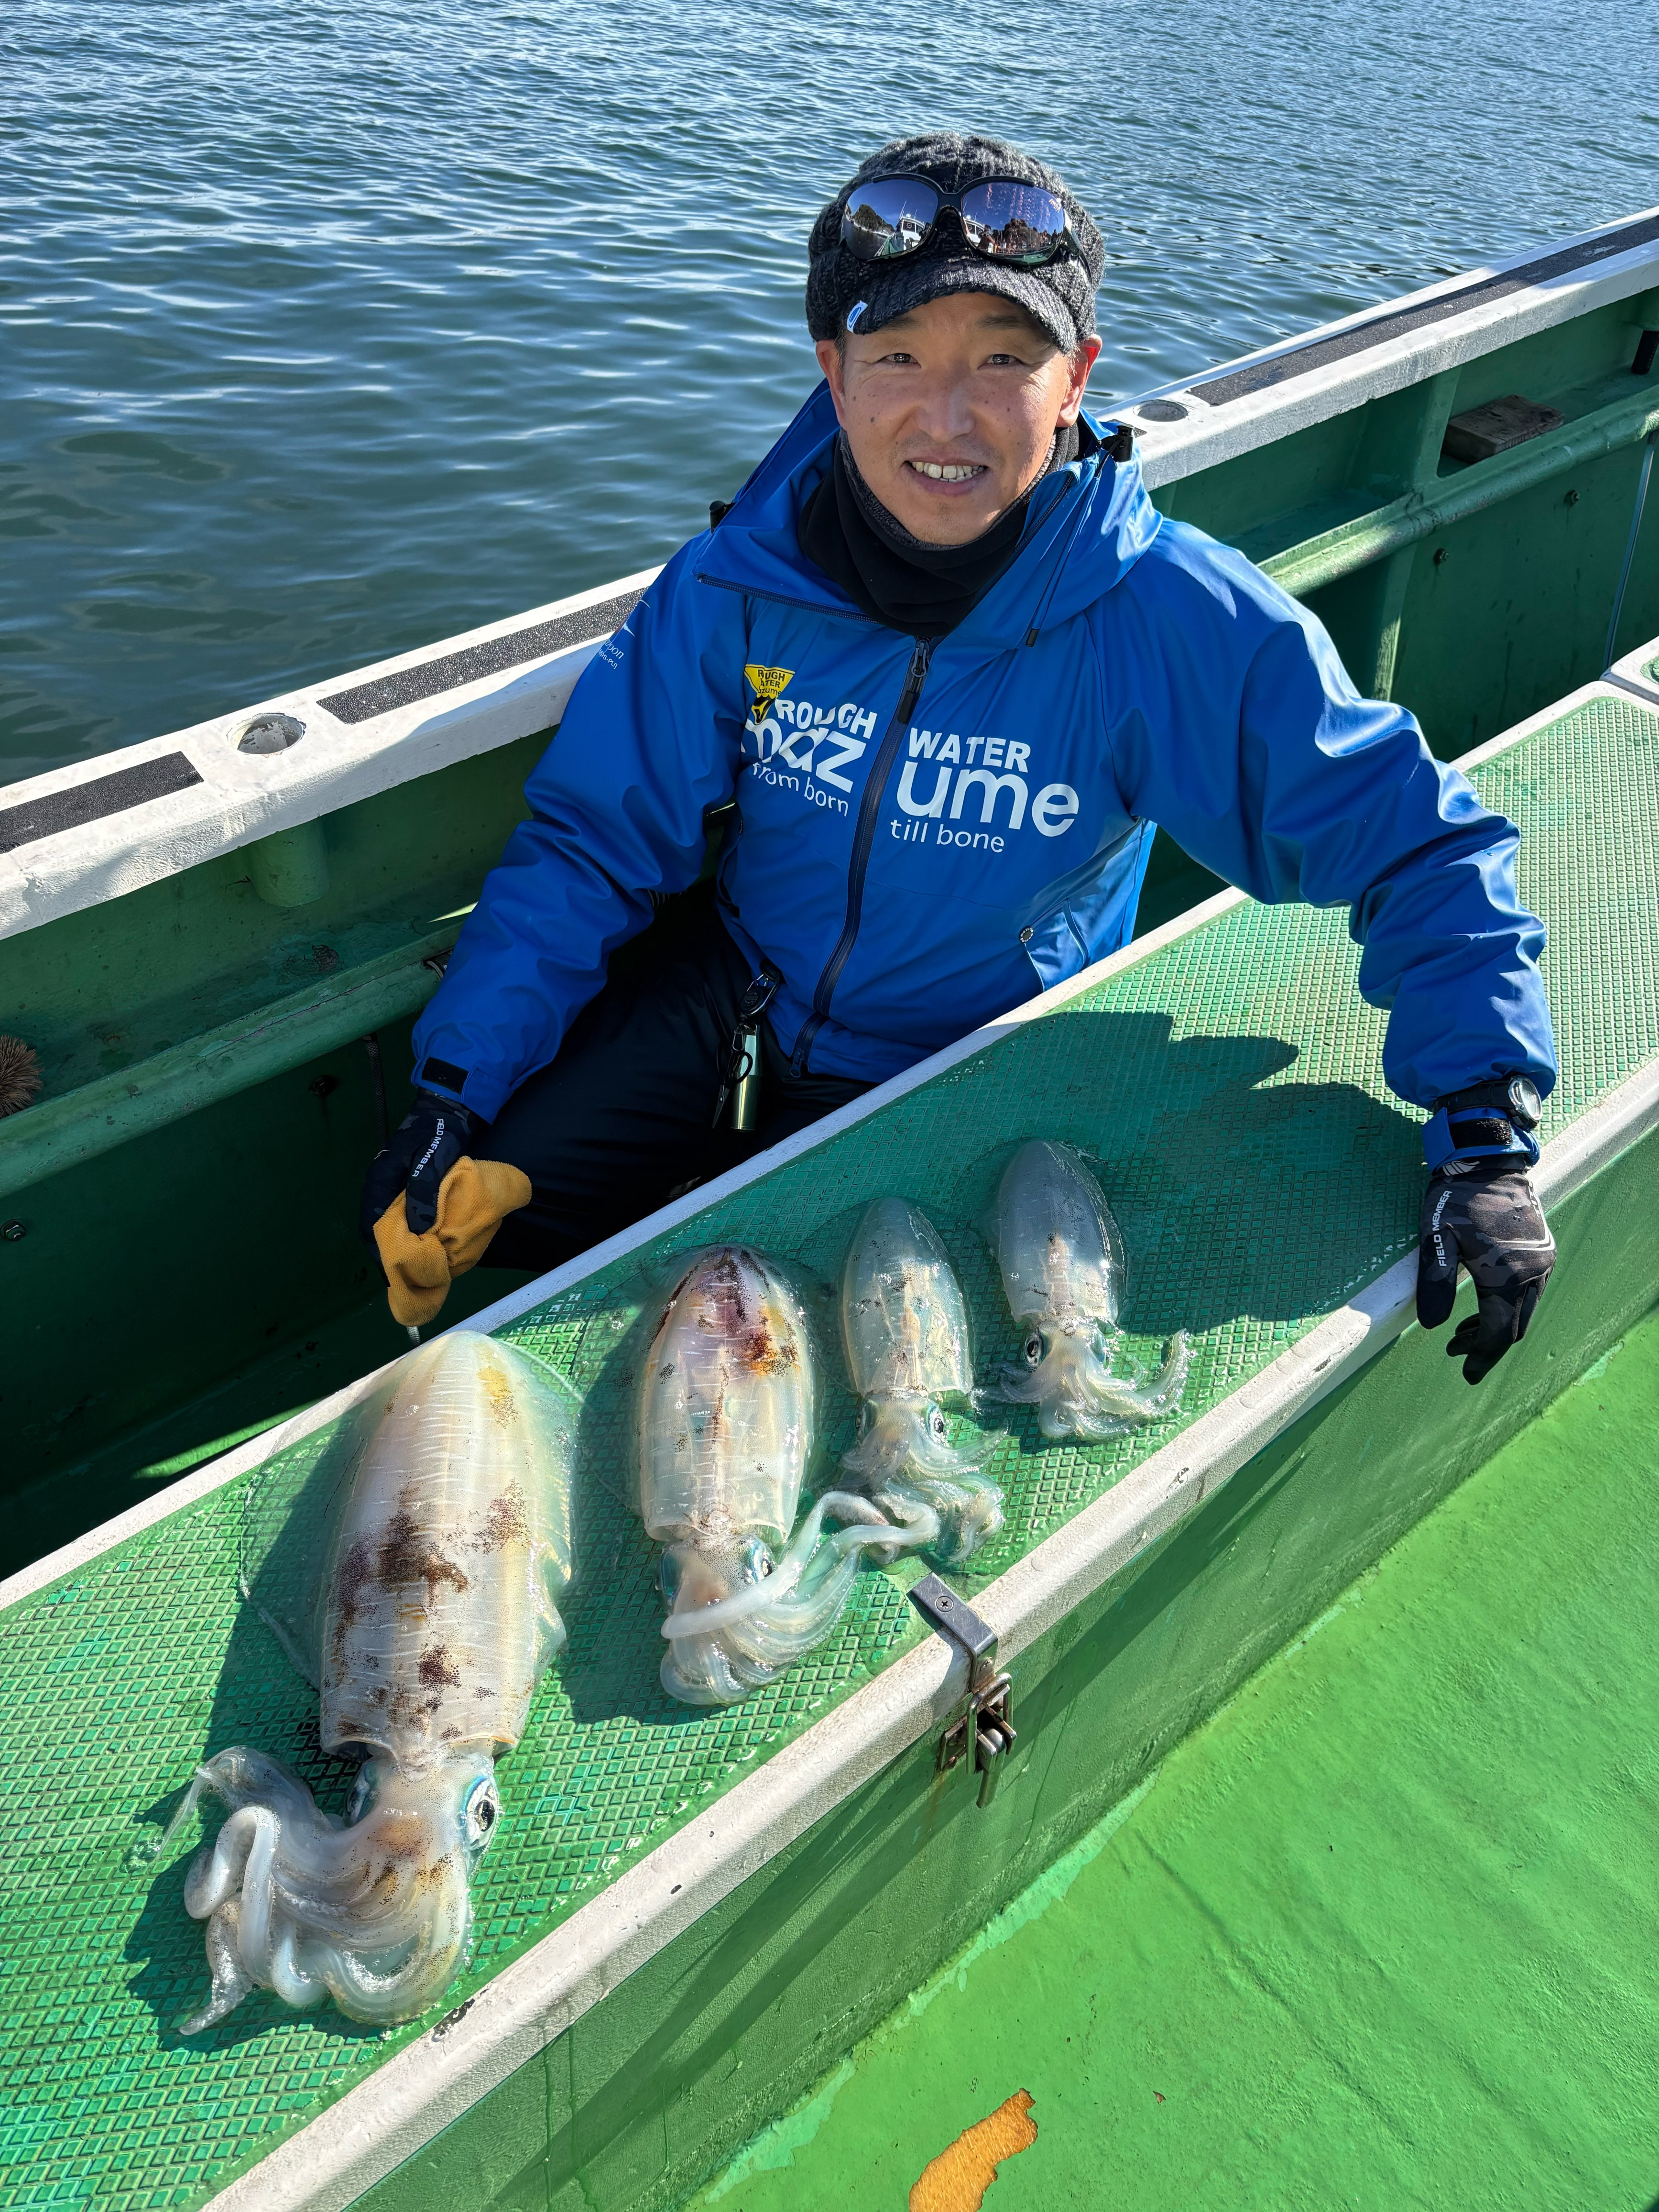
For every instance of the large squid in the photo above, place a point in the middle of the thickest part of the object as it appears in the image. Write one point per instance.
(726, 1431)
(417, 1581)
(905, 1328)
(1063, 1271)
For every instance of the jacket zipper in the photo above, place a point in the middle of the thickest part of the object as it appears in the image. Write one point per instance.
(782, 599)
(864, 838)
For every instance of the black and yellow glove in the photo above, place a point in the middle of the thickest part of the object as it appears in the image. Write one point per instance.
(426, 1143)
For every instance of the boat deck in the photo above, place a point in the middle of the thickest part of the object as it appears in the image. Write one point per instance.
(1379, 1934)
(1227, 1076)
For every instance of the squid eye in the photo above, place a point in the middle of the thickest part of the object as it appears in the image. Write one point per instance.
(1034, 1349)
(361, 1790)
(757, 1561)
(481, 1812)
(668, 1574)
(936, 1423)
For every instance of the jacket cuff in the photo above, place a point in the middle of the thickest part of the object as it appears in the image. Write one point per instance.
(1458, 1136)
(445, 1080)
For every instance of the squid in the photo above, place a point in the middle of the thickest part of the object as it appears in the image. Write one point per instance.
(417, 1582)
(905, 1328)
(725, 1421)
(1063, 1271)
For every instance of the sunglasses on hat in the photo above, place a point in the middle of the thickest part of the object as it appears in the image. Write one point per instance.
(1001, 219)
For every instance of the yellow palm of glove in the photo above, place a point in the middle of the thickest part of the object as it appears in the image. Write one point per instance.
(474, 1199)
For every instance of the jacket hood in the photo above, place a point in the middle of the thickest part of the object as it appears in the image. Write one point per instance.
(1088, 523)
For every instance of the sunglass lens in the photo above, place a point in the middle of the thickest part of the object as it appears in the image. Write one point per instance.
(888, 218)
(1013, 222)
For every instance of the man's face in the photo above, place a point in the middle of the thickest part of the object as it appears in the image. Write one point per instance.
(950, 410)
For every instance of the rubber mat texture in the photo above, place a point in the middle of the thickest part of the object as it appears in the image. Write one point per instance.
(1230, 1088)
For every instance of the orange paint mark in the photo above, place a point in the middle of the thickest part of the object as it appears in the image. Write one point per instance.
(957, 2180)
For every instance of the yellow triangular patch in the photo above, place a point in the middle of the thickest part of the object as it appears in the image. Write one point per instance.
(768, 683)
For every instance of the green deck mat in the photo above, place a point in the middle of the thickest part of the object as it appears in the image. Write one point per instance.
(1230, 1086)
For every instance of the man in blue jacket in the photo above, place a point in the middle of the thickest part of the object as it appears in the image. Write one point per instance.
(954, 668)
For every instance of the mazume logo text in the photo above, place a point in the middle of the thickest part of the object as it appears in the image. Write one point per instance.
(993, 769)
(984, 783)
(800, 747)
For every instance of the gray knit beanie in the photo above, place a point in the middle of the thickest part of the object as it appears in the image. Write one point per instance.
(1060, 294)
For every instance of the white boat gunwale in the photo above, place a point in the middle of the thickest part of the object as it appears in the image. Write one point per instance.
(1210, 433)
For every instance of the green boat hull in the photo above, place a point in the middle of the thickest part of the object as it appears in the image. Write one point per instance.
(688, 1919)
(1379, 1934)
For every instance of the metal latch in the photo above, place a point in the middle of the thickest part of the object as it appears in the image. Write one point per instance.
(983, 1728)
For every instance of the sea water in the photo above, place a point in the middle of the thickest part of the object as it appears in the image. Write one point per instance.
(327, 331)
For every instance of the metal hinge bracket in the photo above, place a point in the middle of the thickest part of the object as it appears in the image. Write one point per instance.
(983, 1728)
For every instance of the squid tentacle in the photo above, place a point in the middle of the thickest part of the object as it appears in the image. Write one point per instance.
(779, 1634)
(375, 1915)
(964, 1513)
(700, 1670)
(1078, 1394)
(291, 1981)
(253, 1890)
(908, 1470)
(366, 1994)
(231, 1979)
(899, 1441)
(773, 1636)
(717, 1651)
(766, 1596)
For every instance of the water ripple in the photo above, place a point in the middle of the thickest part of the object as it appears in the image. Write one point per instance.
(324, 332)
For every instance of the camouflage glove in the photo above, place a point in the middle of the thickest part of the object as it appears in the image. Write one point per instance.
(1489, 1217)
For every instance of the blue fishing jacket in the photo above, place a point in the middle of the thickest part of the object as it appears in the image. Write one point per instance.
(926, 838)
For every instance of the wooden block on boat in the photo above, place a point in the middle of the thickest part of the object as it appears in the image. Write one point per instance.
(1501, 424)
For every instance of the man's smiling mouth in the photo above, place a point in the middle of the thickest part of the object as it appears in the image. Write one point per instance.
(947, 471)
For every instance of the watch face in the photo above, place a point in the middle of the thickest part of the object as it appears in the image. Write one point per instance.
(1524, 1102)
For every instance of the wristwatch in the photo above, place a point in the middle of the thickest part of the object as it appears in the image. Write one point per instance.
(1490, 1120)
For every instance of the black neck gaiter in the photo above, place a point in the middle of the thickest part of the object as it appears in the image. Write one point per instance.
(898, 579)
